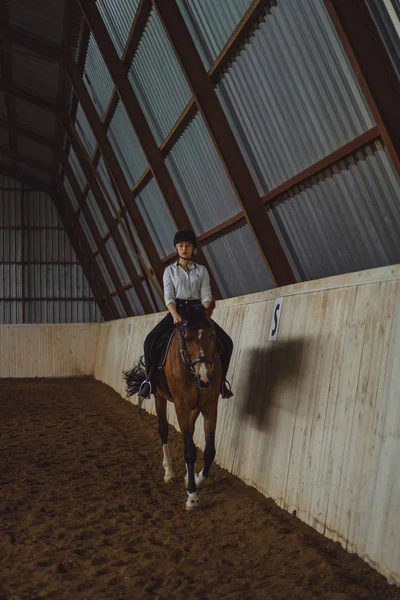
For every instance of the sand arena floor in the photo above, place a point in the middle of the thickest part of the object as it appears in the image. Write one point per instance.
(84, 514)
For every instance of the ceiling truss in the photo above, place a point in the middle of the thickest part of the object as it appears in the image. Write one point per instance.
(360, 48)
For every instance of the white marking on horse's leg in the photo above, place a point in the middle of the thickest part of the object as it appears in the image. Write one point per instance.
(200, 334)
(193, 501)
(199, 478)
(167, 464)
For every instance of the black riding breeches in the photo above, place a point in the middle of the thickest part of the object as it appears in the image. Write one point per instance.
(224, 345)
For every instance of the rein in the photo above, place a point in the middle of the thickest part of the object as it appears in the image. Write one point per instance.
(183, 352)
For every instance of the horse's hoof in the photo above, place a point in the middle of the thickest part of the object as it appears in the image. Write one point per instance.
(169, 478)
(193, 502)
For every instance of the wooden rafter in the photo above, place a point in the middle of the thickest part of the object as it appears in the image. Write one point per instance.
(225, 142)
(139, 123)
(114, 167)
(372, 66)
(95, 233)
(91, 176)
(85, 256)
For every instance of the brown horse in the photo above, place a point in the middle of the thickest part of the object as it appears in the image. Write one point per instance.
(193, 376)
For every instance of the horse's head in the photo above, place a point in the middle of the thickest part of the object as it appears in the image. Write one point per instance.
(198, 348)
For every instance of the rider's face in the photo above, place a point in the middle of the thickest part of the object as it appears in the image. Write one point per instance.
(185, 250)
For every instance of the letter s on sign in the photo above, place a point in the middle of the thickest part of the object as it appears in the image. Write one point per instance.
(276, 315)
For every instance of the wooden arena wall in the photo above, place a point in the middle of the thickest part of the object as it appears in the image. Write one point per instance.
(315, 420)
(48, 350)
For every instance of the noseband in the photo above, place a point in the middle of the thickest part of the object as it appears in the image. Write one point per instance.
(183, 352)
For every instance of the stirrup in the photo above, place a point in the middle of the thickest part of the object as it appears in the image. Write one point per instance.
(226, 391)
(140, 392)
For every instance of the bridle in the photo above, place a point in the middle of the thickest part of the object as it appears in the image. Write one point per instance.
(201, 359)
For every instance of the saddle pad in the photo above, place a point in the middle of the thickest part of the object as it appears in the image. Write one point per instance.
(163, 345)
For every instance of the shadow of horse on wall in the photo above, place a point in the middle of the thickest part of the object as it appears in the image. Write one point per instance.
(271, 372)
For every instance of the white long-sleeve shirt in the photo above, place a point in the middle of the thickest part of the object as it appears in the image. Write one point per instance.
(193, 284)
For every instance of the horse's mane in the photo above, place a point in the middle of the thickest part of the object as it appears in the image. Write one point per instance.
(195, 317)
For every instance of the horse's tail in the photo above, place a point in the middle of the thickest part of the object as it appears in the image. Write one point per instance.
(134, 378)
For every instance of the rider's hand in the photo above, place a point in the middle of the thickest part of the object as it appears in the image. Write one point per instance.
(177, 319)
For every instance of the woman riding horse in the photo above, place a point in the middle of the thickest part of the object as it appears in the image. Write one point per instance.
(186, 283)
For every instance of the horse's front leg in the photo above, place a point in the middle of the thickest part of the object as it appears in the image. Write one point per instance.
(161, 409)
(210, 424)
(190, 453)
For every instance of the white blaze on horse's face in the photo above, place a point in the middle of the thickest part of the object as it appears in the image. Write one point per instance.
(200, 345)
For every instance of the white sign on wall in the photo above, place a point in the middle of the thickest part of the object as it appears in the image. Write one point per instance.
(276, 315)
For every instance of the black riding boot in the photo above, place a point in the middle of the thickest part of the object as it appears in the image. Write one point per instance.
(226, 392)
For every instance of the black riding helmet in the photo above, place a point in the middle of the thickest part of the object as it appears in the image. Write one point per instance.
(185, 235)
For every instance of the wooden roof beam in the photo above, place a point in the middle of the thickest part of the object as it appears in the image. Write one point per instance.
(45, 50)
(96, 235)
(372, 66)
(84, 255)
(91, 176)
(114, 167)
(139, 123)
(225, 142)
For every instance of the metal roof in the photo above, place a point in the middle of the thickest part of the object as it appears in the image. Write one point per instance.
(308, 139)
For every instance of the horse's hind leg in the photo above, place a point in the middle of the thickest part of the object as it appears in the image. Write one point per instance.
(210, 423)
(161, 409)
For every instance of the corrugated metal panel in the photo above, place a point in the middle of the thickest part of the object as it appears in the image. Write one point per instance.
(36, 119)
(347, 221)
(105, 273)
(211, 23)
(291, 96)
(104, 177)
(97, 78)
(118, 15)
(88, 233)
(200, 178)
(139, 245)
(84, 131)
(97, 214)
(10, 313)
(117, 261)
(30, 149)
(41, 210)
(128, 244)
(135, 302)
(386, 15)
(126, 145)
(10, 281)
(157, 79)
(42, 19)
(157, 218)
(46, 267)
(120, 308)
(34, 74)
(77, 169)
(70, 194)
(237, 264)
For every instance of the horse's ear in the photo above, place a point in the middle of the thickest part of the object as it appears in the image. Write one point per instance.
(210, 309)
